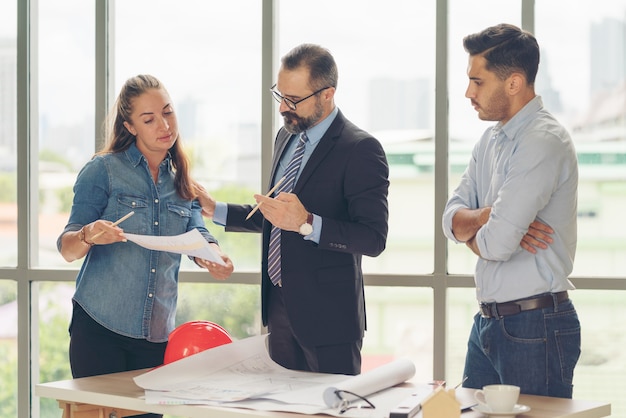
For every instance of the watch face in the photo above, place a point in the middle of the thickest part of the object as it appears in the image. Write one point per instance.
(306, 229)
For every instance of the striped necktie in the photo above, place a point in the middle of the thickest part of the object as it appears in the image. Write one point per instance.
(273, 257)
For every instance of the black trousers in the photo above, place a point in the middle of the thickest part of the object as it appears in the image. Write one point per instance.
(95, 350)
(288, 351)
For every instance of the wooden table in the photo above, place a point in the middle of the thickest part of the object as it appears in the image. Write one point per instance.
(117, 394)
(547, 407)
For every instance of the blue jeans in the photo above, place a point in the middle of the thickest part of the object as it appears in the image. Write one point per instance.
(536, 350)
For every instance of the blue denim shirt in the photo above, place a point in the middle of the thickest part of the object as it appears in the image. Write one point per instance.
(126, 288)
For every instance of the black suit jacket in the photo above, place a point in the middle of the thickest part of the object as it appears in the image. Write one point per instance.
(345, 181)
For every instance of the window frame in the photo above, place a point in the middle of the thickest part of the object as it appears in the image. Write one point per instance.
(28, 278)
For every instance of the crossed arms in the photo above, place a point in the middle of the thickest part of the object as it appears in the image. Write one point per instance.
(467, 222)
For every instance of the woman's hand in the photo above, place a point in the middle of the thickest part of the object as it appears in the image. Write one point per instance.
(103, 232)
(75, 245)
(218, 271)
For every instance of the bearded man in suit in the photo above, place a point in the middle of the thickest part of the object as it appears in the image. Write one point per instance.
(332, 213)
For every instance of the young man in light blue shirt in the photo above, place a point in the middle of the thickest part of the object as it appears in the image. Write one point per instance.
(515, 208)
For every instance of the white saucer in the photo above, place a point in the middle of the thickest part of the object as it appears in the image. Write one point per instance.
(517, 409)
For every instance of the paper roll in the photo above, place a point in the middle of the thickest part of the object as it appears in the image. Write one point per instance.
(383, 377)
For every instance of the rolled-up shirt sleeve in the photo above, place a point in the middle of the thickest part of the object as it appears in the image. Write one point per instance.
(464, 196)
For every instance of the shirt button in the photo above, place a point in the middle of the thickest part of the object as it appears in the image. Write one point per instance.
(156, 200)
(156, 223)
(133, 204)
(150, 295)
(153, 270)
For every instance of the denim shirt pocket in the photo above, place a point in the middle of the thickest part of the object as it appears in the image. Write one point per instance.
(177, 218)
(139, 222)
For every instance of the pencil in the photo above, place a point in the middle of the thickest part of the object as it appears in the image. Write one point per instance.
(272, 190)
(116, 223)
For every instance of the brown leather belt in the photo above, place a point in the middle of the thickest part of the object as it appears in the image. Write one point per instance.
(497, 310)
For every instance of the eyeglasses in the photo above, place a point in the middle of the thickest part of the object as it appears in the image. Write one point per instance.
(290, 103)
(346, 404)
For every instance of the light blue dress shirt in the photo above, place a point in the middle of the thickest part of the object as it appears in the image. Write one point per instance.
(314, 134)
(525, 170)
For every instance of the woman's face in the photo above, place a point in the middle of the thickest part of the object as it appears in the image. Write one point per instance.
(153, 122)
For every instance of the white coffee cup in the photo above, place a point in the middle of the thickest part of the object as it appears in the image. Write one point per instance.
(497, 398)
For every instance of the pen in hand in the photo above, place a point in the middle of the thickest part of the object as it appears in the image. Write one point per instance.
(272, 190)
(116, 223)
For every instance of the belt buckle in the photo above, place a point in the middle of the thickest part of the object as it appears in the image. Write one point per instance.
(485, 310)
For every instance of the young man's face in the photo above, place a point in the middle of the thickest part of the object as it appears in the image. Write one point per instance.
(487, 92)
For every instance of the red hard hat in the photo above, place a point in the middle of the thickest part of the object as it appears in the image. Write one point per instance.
(193, 337)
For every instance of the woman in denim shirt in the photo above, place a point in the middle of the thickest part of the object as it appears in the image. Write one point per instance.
(125, 299)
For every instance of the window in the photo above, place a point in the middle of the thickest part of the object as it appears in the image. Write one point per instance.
(386, 86)
(465, 127)
(64, 141)
(583, 82)
(8, 348)
(399, 325)
(53, 313)
(8, 136)
(211, 68)
(8, 208)
(211, 56)
(213, 81)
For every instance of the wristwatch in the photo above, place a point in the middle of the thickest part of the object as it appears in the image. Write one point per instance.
(307, 227)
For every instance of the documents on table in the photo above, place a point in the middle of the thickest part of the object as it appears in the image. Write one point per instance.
(190, 243)
(241, 374)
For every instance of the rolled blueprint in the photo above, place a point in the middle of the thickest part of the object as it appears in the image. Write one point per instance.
(383, 377)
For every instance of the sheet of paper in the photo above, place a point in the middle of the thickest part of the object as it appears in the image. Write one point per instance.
(231, 372)
(190, 243)
(384, 401)
(241, 374)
